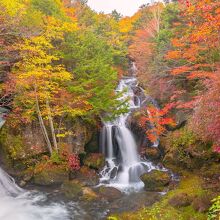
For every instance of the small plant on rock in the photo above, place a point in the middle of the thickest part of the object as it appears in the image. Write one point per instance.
(214, 211)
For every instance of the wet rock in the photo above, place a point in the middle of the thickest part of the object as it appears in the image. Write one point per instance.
(152, 153)
(202, 203)
(87, 176)
(137, 130)
(89, 194)
(22, 183)
(51, 176)
(28, 176)
(180, 200)
(72, 189)
(109, 193)
(114, 173)
(155, 180)
(25, 177)
(95, 161)
(93, 145)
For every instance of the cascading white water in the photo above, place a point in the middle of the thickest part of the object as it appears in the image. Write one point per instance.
(124, 171)
(16, 203)
(7, 185)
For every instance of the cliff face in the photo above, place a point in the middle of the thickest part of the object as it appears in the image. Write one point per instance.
(27, 141)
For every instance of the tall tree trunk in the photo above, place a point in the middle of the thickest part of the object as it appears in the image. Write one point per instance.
(59, 127)
(52, 126)
(43, 128)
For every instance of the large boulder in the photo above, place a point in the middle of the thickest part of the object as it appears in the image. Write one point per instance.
(202, 203)
(72, 189)
(109, 193)
(87, 176)
(75, 189)
(95, 161)
(51, 176)
(180, 200)
(155, 180)
(89, 194)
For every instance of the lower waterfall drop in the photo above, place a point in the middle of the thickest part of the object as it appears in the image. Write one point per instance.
(123, 163)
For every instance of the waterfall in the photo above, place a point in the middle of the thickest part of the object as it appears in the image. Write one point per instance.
(123, 163)
(7, 185)
(16, 203)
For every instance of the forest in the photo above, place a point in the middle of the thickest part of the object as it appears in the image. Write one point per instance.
(106, 116)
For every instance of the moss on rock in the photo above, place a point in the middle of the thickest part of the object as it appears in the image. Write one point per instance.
(183, 149)
(163, 210)
(87, 176)
(21, 145)
(72, 189)
(180, 200)
(51, 176)
(202, 203)
(89, 194)
(109, 193)
(95, 161)
(155, 180)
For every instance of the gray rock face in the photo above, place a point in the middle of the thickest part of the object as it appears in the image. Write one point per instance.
(80, 133)
(23, 143)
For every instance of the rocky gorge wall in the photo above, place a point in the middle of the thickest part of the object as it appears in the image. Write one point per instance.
(26, 143)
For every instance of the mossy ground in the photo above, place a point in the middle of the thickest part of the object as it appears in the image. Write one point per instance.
(189, 184)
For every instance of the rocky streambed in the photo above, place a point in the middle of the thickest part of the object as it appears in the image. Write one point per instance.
(83, 196)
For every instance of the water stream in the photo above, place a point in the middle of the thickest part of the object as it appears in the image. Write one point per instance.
(16, 203)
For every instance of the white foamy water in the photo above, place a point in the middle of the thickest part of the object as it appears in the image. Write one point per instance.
(18, 204)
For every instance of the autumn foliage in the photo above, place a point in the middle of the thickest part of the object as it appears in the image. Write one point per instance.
(73, 162)
(176, 48)
(197, 40)
(155, 120)
(196, 51)
(59, 61)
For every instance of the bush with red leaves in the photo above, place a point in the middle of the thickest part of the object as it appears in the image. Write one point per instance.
(73, 162)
